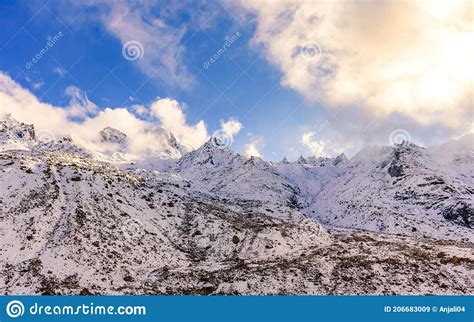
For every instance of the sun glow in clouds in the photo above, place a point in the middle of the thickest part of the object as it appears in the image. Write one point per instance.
(412, 58)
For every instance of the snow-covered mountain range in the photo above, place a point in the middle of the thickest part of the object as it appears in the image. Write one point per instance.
(390, 220)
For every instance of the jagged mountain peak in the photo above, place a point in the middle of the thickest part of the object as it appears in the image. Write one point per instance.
(219, 213)
(407, 148)
(459, 152)
(175, 147)
(212, 153)
(256, 161)
(284, 160)
(113, 142)
(15, 135)
(340, 160)
(112, 135)
(302, 160)
(65, 144)
(215, 144)
(15, 132)
(401, 172)
(174, 144)
(403, 157)
(320, 161)
(230, 175)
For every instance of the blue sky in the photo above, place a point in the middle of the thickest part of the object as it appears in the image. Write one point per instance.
(275, 98)
(239, 84)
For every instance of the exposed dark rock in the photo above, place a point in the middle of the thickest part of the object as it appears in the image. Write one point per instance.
(235, 239)
(461, 213)
(128, 278)
(395, 169)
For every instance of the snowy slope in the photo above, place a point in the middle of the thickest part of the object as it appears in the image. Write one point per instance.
(15, 135)
(215, 222)
(403, 189)
(221, 172)
(68, 220)
(399, 190)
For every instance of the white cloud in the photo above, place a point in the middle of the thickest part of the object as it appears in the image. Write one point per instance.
(60, 71)
(79, 105)
(25, 107)
(36, 83)
(153, 26)
(410, 60)
(143, 138)
(172, 118)
(162, 48)
(139, 133)
(140, 109)
(320, 148)
(231, 127)
(253, 148)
